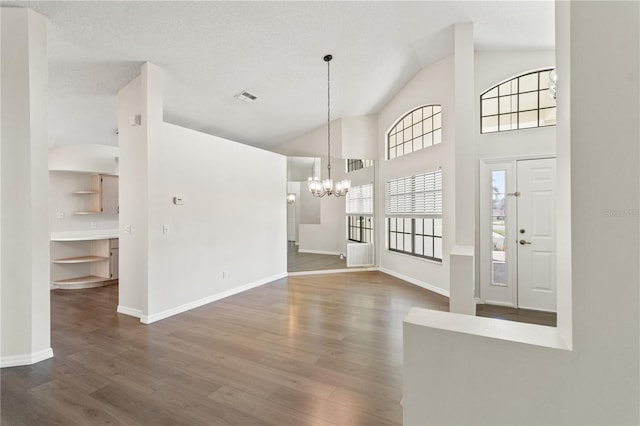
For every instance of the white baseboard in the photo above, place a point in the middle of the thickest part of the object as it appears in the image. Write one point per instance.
(334, 253)
(332, 271)
(26, 359)
(148, 319)
(414, 281)
(129, 311)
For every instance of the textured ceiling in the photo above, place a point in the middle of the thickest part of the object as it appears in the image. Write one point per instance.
(210, 51)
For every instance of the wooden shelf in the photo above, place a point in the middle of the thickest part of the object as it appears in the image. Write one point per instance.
(87, 212)
(82, 282)
(87, 192)
(81, 259)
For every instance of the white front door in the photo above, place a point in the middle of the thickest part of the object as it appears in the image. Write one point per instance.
(537, 234)
(517, 251)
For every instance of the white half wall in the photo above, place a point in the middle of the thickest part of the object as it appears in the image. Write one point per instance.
(231, 230)
(174, 257)
(465, 370)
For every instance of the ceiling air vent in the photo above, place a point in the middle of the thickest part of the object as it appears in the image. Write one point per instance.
(246, 96)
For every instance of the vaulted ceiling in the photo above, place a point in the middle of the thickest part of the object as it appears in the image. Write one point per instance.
(211, 51)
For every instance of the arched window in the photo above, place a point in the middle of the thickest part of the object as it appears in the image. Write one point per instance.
(419, 128)
(522, 102)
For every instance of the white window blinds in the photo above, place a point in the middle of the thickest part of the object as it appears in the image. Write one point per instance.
(415, 195)
(360, 199)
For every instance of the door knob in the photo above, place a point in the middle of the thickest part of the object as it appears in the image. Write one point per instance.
(523, 242)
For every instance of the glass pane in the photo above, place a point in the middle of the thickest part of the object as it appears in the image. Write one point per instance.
(392, 224)
(399, 223)
(419, 223)
(417, 129)
(528, 119)
(508, 104)
(491, 93)
(392, 241)
(546, 100)
(428, 125)
(408, 135)
(544, 79)
(407, 122)
(437, 227)
(407, 225)
(437, 121)
(498, 181)
(508, 122)
(399, 149)
(437, 109)
(490, 124)
(437, 248)
(489, 107)
(407, 242)
(417, 115)
(417, 143)
(408, 147)
(419, 244)
(528, 101)
(498, 253)
(392, 153)
(548, 117)
(437, 136)
(392, 140)
(399, 137)
(529, 82)
(508, 88)
(428, 246)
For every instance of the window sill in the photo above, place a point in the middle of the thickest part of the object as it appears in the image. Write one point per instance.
(422, 259)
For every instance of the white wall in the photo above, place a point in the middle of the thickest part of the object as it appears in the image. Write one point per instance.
(25, 314)
(234, 216)
(431, 85)
(497, 372)
(90, 158)
(234, 211)
(328, 236)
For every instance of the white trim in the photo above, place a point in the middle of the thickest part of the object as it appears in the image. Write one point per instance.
(414, 281)
(332, 271)
(148, 319)
(499, 303)
(129, 311)
(26, 359)
(335, 253)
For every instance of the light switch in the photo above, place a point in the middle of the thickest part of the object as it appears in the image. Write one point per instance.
(178, 200)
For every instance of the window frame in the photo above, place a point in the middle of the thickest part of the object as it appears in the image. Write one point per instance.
(394, 132)
(413, 200)
(517, 94)
(357, 223)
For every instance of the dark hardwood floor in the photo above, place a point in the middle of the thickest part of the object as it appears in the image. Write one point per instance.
(321, 350)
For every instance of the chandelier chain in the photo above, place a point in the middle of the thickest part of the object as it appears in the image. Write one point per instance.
(329, 118)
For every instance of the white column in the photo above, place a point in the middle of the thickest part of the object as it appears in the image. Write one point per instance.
(462, 273)
(24, 189)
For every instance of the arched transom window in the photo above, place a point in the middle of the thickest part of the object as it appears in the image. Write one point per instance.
(523, 102)
(419, 128)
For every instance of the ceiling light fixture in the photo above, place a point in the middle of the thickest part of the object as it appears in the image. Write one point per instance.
(326, 187)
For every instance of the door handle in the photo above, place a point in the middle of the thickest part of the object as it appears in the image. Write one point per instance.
(523, 242)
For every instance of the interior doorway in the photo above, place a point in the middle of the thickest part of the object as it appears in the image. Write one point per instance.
(518, 233)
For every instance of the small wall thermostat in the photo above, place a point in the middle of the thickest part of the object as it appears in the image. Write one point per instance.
(178, 201)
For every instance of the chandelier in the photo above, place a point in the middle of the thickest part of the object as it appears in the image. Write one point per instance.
(327, 187)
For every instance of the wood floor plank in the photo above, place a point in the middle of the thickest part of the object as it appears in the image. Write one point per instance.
(316, 350)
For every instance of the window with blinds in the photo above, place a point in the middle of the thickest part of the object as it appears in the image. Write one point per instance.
(360, 199)
(413, 206)
(360, 213)
(415, 195)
